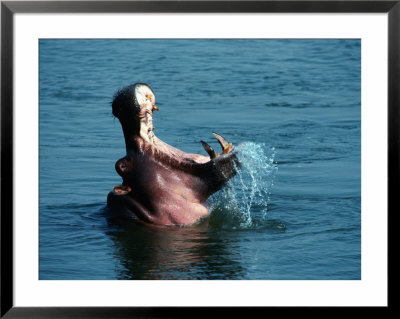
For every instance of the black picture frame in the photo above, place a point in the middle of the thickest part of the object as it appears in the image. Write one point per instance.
(9, 8)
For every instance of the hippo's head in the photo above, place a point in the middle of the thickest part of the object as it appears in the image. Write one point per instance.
(162, 184)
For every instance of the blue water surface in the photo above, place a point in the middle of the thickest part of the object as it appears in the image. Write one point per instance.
(291, 107)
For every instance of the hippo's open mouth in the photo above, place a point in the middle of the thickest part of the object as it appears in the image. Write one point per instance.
(160, 183)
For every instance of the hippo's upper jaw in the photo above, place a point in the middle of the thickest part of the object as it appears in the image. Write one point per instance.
(162, 184)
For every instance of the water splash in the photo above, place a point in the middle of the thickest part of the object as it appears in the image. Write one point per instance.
(248, 192)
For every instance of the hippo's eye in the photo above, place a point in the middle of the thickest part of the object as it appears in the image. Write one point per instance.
(122, 165)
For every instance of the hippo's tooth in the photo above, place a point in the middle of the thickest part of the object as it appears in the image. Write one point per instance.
(209, 150)
(155, 108)
(223, 142)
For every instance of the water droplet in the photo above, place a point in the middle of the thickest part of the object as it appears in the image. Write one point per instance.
(248, 192)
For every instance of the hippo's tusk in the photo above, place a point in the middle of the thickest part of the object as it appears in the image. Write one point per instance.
(209, 150)
(226, 147)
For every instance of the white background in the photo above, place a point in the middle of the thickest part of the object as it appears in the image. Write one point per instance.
(371, 290)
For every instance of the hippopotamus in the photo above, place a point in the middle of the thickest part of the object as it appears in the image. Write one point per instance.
(161, 184)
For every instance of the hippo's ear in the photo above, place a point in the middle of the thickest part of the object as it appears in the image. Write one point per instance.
(122, 190)
(123, 165)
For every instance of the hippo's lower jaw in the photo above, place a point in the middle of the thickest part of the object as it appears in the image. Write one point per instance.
(161, 184)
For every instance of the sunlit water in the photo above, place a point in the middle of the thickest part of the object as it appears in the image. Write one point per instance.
(290, 107)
